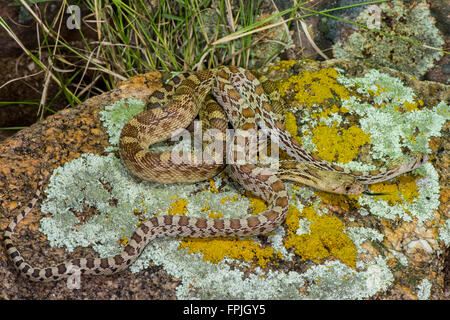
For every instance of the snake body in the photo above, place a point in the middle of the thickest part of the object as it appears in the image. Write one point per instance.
(244, 104)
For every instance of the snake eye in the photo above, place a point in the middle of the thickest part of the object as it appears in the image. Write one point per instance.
(347, 188)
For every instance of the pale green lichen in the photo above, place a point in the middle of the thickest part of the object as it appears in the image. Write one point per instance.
(398, 19)
(444, 233)
(359, 235)
(401, 258)
(381, 87)
(276, 240)
(421, 207)
(228, 283)
(99, 182)
(391, 130)
(334, 280)
(424, 289)
(357, 166)
(114, 117)
(303, 227)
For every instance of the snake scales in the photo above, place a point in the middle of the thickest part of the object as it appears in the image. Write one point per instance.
(246, 106)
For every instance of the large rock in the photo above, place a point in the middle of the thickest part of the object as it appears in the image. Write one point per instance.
(331, 247)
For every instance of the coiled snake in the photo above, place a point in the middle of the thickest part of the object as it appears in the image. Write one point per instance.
(247, 108)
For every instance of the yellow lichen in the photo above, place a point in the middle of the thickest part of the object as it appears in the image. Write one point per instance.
(409, 106)
(178, 207)
(212, 186)
(257, 205)
(380, 90)
(215, 214)
(292, 218)
(290, 122)
(321, 87)
(314, 87)
(335, 144)
(325, 239)
(283, 65)
(231, 199)
(328, 111)
(344, 202)
(402, 189)
(215, 250)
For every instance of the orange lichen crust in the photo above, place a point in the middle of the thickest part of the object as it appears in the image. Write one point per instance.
(325, 239)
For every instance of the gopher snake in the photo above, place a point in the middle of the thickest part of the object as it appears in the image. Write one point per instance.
(247, 108)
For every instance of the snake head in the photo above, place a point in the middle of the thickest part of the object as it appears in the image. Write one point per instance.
(337, 182)
(329, 181)
(349, 185)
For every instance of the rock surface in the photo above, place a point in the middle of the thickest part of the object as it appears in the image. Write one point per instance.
(411, 252)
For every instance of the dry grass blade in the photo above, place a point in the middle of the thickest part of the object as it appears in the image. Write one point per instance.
(311, 41)
(240, 35)
(45, 90)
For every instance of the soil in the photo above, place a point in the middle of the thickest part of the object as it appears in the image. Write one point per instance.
(21, 79)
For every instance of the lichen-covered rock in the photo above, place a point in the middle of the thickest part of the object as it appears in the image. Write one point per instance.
(409, 40)
(330, 247)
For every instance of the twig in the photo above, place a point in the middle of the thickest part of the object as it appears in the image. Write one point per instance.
(20, 78)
